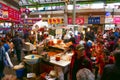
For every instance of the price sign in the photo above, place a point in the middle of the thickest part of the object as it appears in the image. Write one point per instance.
(56, 21)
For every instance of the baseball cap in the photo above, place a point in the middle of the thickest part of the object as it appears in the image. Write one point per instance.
(80, 47)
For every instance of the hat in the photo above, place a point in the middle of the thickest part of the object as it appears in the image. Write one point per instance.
(80, 47)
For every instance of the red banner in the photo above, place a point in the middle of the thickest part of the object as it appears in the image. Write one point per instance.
(8, 13)
(79, 20)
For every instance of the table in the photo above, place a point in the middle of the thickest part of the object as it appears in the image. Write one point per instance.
(63, 64)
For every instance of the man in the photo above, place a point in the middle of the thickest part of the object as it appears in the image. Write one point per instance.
(112, 71)
(2, 53)
(79, 61)
(17, 41)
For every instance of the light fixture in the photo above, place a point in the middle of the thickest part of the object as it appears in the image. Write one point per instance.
(10, 24)
(49, 16)
(31, 32)
(6, 24)
(83, 32)
(88, 29)
(40, 16)
(2, 24)
(40, 33)
(26, 16)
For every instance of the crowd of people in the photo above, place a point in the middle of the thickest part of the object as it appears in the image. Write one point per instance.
(99, 53)
(94, 53)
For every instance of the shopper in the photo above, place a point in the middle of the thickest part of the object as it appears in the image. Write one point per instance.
(17, 41)
(79, 61)
(72, 39)
(2, 51)
(4, 59)
(6, 45)
(112, 71)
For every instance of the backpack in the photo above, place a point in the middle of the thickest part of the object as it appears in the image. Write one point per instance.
(2, 51)
(85, 74)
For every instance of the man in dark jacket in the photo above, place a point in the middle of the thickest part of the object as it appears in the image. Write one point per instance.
(2, 53)
(112, 71)
(17, 41)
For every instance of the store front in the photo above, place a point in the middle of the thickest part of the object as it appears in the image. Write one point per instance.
(95, 23)
(9, 17)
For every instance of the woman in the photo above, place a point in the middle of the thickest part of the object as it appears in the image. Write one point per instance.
(79, 61)
(100, 57)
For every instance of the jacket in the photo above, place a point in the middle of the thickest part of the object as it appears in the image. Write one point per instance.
(111, 72)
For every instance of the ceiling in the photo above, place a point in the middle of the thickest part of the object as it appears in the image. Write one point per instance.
(19, 3)
(14, 2)
(38, 2)
(34, 2)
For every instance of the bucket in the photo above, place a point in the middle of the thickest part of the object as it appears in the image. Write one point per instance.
(20, 73)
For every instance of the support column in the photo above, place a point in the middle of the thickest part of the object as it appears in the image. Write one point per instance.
(65, 15)
(12, 29)
(74, 11)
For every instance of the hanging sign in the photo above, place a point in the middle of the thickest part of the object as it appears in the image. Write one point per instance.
(5, 14)
(107, 14)
(79, 20)
(55, 21)
(70, 21)
(8, 13)
(116, 20)
(108, 20)
(93, 20)
(58, 31)
(30, 21)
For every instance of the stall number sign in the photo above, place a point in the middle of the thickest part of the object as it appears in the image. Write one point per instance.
(93, 20)
(55, 21)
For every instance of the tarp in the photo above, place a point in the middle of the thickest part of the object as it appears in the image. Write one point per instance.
(40, 24)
